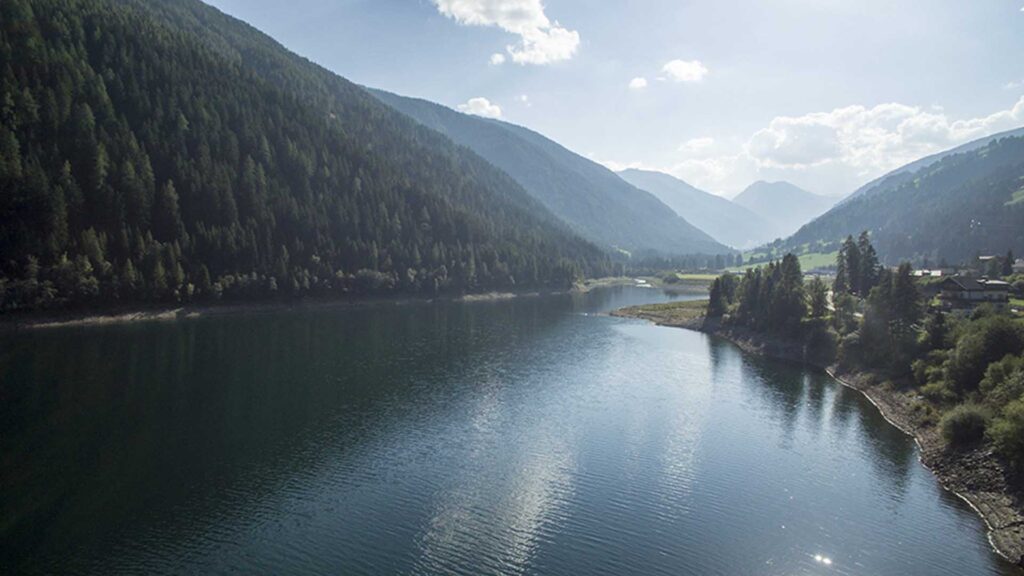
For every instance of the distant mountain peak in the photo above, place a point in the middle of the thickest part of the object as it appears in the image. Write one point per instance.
(725, 221)
(783, 203)
(590, 198)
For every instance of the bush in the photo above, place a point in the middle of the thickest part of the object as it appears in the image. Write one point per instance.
(920, 369)
(1003, 381)
(964, 425)
(1007, 432)
(938, 392)
(985, 341)
(925, 414)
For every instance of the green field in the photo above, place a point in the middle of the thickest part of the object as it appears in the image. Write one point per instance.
(808, 261)
(694, 276)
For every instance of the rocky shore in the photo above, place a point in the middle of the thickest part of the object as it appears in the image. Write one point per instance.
(977, 476)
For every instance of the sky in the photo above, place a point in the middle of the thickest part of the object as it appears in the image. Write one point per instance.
(827, 94)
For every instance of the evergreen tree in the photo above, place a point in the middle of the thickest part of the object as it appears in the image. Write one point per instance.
(848, 268)
(867, 277)
(817, 297)
(716, 300)
(936, 331)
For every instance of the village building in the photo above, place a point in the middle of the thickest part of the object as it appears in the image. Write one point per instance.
(962, 292)
(934, 272)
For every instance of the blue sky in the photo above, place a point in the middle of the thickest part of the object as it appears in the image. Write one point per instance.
(825, 93)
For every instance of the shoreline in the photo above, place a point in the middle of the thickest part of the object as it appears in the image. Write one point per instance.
(172, 313)
(975, 476)
(130, 314)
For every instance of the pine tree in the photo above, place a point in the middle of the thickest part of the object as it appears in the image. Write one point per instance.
(716, 300)
(869, 268)
(848, 268)
(817, 297)
(936, 330)
(905, 299)
(167, 225)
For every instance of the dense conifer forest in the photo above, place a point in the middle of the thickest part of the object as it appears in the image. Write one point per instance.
(162, 151)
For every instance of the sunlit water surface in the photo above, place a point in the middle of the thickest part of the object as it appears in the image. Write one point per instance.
(530, 436)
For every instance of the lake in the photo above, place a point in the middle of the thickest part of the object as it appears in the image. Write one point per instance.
(525, 436)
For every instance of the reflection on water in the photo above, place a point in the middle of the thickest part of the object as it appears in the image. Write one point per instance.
(532, 436)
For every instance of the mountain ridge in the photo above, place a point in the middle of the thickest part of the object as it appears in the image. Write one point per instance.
(948, 210)
(895, 177)
(724, 220)
(165, 151)
(593, 200)
(785, 205)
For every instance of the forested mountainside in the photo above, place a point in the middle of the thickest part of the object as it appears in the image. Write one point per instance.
(906, 172)
(725, 221)
(592, 199)
(161, 150)
(961, 205)
(786, 206)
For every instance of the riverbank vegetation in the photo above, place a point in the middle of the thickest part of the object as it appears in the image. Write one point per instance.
(965, 372)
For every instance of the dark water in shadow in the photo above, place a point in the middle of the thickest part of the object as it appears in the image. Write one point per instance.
(517, 437)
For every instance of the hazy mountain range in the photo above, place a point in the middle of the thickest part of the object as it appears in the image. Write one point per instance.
(786, 206)
(593, 200)
(726, 221)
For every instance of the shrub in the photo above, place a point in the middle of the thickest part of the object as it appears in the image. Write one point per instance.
(925, 414)
(1007, 433)
(920, 370)
(1003, 381)
(985, 341)
(964, 425)
(938, 392)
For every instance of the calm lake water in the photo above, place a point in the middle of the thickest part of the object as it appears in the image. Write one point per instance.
(530, 436)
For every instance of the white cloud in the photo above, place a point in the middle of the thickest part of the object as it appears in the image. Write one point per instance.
(1013, 85)
(541, 41)
(836, 152)
(638, 83)
(832, 152)
(497, 59)
(697, 145)
(794, 142)
(685, 70)
(870, 140)
(615, 166)
(524, 100)
(481, 107)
